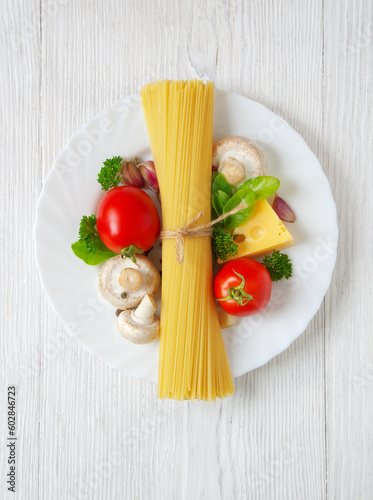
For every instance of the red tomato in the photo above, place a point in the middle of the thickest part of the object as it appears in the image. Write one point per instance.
(127, 216)
(243, 287)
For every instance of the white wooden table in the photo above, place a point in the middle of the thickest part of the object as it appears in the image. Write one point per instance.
(301, 426)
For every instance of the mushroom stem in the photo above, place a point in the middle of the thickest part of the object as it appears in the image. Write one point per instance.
(226, 320)
(233, 170)
(129, 279)
(144, 314)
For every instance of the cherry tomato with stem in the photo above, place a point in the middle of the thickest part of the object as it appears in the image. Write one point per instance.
(127, 221)
(243, 287)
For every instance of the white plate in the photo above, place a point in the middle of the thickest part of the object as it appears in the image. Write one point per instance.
(71, 190)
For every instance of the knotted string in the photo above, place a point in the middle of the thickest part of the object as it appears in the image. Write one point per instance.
(194, 232)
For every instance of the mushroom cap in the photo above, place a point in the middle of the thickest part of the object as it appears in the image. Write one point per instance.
(243, 150)
(134, 332)
(109, 286)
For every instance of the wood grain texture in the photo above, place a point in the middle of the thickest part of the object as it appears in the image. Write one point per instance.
(298, 427)
(20, 291)
(348, 162)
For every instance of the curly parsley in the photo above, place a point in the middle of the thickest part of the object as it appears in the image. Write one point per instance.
(109, 176)
(278, 265)
(223, 245)
(88, 232)
(89, 246)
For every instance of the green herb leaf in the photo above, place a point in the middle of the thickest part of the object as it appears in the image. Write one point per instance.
(216, 204)
(89, 247)
(108, 176)
(101, 252)
(224, 197)
(219, 199)
(278, 265)
(263, 186)
(214, 215)
(220, 184)
(223, 245)
(242, 216)
(88, 232)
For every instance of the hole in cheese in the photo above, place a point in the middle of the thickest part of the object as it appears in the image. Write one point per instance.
(239, 238)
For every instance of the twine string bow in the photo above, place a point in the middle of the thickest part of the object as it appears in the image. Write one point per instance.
(194, 232)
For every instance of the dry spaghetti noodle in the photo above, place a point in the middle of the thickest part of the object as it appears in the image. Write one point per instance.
(192, 360)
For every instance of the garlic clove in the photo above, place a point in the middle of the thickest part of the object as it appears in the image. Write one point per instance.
(148, 172)
(130, 174)
(283, 210)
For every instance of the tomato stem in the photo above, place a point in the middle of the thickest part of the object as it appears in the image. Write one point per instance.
(237, 293)
(129, 252)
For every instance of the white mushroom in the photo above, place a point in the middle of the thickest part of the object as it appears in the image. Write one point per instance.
(140, 326)
(226, 320)
(238, 159)
(124, 283)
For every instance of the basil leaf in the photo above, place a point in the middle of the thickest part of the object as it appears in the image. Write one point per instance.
(242, 216)
(102, 252)
(263, 186)
(218, 201)
(214, 215)
(220, 184)
(217, 204)
(224, 197)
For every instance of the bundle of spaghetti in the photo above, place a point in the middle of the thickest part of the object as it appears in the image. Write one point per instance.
(192, 359)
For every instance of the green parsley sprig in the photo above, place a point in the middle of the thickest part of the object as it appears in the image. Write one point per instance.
(109, 176)
(223, 245)
(278, 265)
(89, 246)
(88, 232)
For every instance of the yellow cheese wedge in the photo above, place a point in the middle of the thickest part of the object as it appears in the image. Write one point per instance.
(263, 233)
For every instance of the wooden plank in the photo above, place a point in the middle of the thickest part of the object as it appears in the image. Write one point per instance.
(20, 185)
(267, 441)
(348, 160)
(90, 432)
